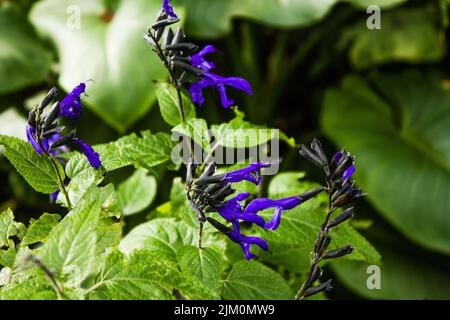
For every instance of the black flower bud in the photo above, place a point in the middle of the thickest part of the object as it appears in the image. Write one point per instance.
(344, 216)
(309, 154)
(338, 252)
(68, 138)
(325, 286)
(51, 95)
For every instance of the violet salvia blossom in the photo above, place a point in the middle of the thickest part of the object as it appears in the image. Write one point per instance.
(44, 132)
(71, 104)
(181, 59)
(280, 205)
(198, 60)
(232, 211)
(92, 156)
(210, 80)
(167, 8)
(251, 173)
(236, 236)
(208, 194)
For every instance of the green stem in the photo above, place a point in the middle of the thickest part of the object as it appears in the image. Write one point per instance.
(62, 187)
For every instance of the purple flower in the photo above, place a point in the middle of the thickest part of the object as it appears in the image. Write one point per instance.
(246, 241)
(210, 80)
(167, 8)
(71, 105)
(348, 173)
(336, 157)
(31, 132)
(231, 210)
(198, 61)
(45, 143)
(280, 205)
(92, 156)
(54, 196)
(250, 173)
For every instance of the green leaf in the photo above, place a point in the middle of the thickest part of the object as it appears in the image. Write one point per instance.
(381, 3)
(165, 236)
(36, 287)
(137, 192)
(251, 280)
(168, 104)
(392, 43)
(197, 130)
(239, 133)
(205, 264)
(24, 61)
(108, 235)
(39, 230)
(69, 251)
(143, 275)
(398, 126)
(146, 151)
(8, 227)
(285, 183)
(99, 48)
(406, 273)
(37, 170)
(212, 19)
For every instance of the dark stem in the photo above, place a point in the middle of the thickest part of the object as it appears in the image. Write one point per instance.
(316, 256)
(62, 187)
(57, 286)
(200, 234)
(173, 79)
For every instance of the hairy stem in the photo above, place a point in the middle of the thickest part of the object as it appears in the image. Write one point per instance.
(316, 255)
(173, 79)
(200, 234)
(62, 186)
(57, 286)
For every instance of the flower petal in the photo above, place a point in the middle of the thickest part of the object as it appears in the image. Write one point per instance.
(168, 9)
(92, 156)
(223, 96)
(30, 136)
(71, 104)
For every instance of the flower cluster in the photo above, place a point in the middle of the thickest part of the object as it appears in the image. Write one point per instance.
(339, 172)
(194, 68)
(44, 132)
(47, 136)
(341, 192)
(208, 194)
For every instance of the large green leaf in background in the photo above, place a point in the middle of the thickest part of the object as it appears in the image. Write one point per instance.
(112, 53)
(398, 126)
(209, 19)
(392, 43)
(406, 273)
(403, 276)
(24, 60)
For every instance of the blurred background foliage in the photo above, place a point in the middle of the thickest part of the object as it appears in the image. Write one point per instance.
(316, 71)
